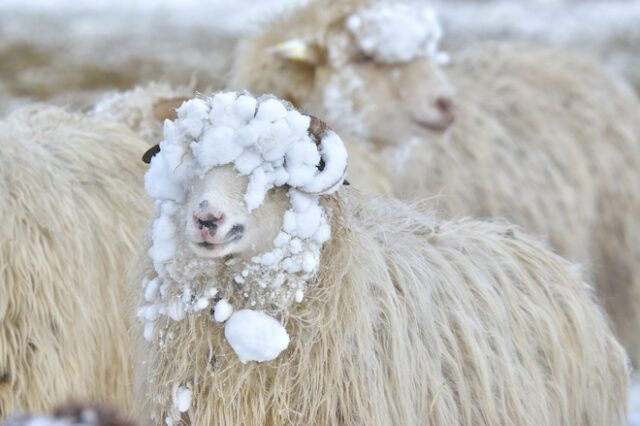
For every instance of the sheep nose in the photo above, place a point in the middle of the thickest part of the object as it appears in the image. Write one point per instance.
(208, 221)
(447, 107)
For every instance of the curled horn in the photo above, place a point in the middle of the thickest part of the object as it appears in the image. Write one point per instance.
(148, 155)
(165, 108)
(330, 165)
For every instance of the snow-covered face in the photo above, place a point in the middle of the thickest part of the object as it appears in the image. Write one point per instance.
(217, 222)
(378, 101)
(377, 73)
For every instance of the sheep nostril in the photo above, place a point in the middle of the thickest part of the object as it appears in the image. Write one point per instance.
(446, 106)
(210, 224)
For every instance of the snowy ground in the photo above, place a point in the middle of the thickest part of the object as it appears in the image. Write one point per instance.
(609, 29)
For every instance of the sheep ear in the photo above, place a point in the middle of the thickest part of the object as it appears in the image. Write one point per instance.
(147, 156)
(301, 51)
(165, 109)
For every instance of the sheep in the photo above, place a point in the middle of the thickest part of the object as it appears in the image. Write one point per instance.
(271, 296)
(538, 135)
(72, 414)
(71, 203)
(145, 108)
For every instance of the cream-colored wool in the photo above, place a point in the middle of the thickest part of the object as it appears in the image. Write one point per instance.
(543, 137)
(410, 320)
(72, 207)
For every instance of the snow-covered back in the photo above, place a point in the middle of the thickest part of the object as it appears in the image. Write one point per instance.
(255, 336)
(271, 143)
(396, 32)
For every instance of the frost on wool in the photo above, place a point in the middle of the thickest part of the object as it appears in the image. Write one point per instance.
(398, 32)
(270, 142)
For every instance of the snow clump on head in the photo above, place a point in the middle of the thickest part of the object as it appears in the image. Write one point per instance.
(393, 33)
(274, 145)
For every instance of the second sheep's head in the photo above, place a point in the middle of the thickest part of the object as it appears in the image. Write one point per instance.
(372, 69)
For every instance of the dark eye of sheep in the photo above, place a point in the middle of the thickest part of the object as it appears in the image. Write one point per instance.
(362, 58)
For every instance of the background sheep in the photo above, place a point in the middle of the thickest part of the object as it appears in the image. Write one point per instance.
(557, 154)
(144, 108)
(71, 206)
(407, 320)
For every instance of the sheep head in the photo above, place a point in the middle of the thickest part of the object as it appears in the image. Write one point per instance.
(237, 166)
(373, 70)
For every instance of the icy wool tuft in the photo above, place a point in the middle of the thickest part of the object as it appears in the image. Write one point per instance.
(394, 33)
(270, 142)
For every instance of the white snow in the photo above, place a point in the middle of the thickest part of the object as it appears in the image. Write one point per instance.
(397, 32)
(182, 398)
(255, 336)
(222, 311)
(634, 402)
(88, 417)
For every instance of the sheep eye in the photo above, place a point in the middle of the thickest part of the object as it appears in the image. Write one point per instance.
(362, 57)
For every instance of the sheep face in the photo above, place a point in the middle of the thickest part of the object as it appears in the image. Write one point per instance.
(379, 101)
(363, 79)
(217, 222)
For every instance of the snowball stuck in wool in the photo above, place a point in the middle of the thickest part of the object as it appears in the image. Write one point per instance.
(255, 336)
(274, 145)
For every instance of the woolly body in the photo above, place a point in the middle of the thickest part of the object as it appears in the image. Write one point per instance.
(72, 202)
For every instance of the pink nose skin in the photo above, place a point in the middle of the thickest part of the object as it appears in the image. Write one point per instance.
(207, 223)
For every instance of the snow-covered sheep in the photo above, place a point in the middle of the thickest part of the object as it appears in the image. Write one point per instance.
(271, 296)
(71, 414)
(538, 135)
(145, 108)
(72, 205)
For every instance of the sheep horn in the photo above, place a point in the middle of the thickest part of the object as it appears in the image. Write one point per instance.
(322, 135)
(296, 50)
(148, 155)
(165, 108)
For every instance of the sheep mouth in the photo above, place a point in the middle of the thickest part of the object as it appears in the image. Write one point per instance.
(212, 246)
(234, 235)
(435, 126)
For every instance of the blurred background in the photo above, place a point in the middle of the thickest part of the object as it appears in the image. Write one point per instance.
(71, 52)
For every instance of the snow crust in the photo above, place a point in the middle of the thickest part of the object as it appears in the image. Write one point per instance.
(222, 311)
(270, 142)
(255, 336)
(397, 32)
(88, 418)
